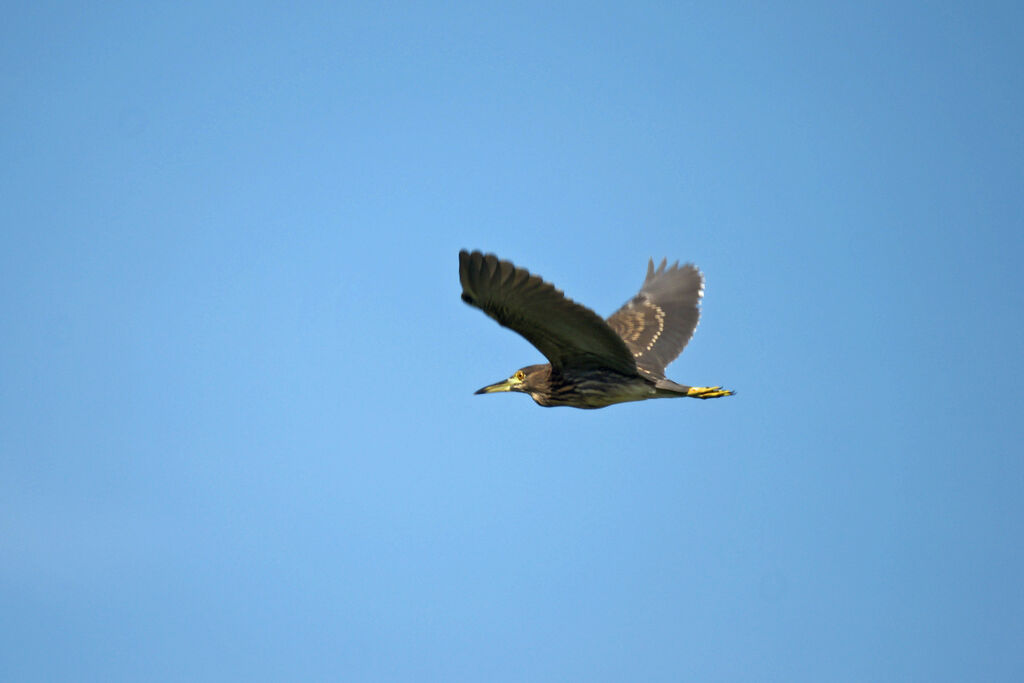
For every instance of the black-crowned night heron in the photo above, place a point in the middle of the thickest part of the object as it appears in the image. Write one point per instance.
(594, 362)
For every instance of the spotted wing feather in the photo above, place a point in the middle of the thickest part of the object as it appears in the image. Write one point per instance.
(657, 323)
(568, 334)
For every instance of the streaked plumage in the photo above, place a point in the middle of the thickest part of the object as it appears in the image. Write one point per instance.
(593, 362)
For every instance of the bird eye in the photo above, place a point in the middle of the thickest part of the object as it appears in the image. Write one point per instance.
(520, 375)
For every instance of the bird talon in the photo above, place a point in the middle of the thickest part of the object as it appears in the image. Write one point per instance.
(707, 392)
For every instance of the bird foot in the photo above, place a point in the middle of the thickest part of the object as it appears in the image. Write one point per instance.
(708, 392)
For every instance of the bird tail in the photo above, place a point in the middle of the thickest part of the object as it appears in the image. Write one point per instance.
(670, 387)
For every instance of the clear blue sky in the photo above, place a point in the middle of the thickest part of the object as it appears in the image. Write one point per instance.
(238, 439)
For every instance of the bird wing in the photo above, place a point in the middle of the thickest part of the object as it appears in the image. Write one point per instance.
(568, 334)
(657, 323)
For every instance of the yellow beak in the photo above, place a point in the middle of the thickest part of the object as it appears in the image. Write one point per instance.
(503, 385)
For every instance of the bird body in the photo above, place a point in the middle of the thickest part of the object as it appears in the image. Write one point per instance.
(593, 363)
(581, 389)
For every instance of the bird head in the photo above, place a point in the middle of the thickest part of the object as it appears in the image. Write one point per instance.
(528, 380)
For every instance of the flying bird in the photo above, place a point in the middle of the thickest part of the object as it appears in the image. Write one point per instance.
(593, 362)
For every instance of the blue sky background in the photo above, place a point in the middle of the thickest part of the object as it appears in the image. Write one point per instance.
(238, 439)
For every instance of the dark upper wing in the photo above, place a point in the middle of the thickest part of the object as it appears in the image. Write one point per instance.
(658, 322)
(570, 335)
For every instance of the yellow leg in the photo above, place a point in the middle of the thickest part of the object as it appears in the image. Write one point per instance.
(708, 392)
